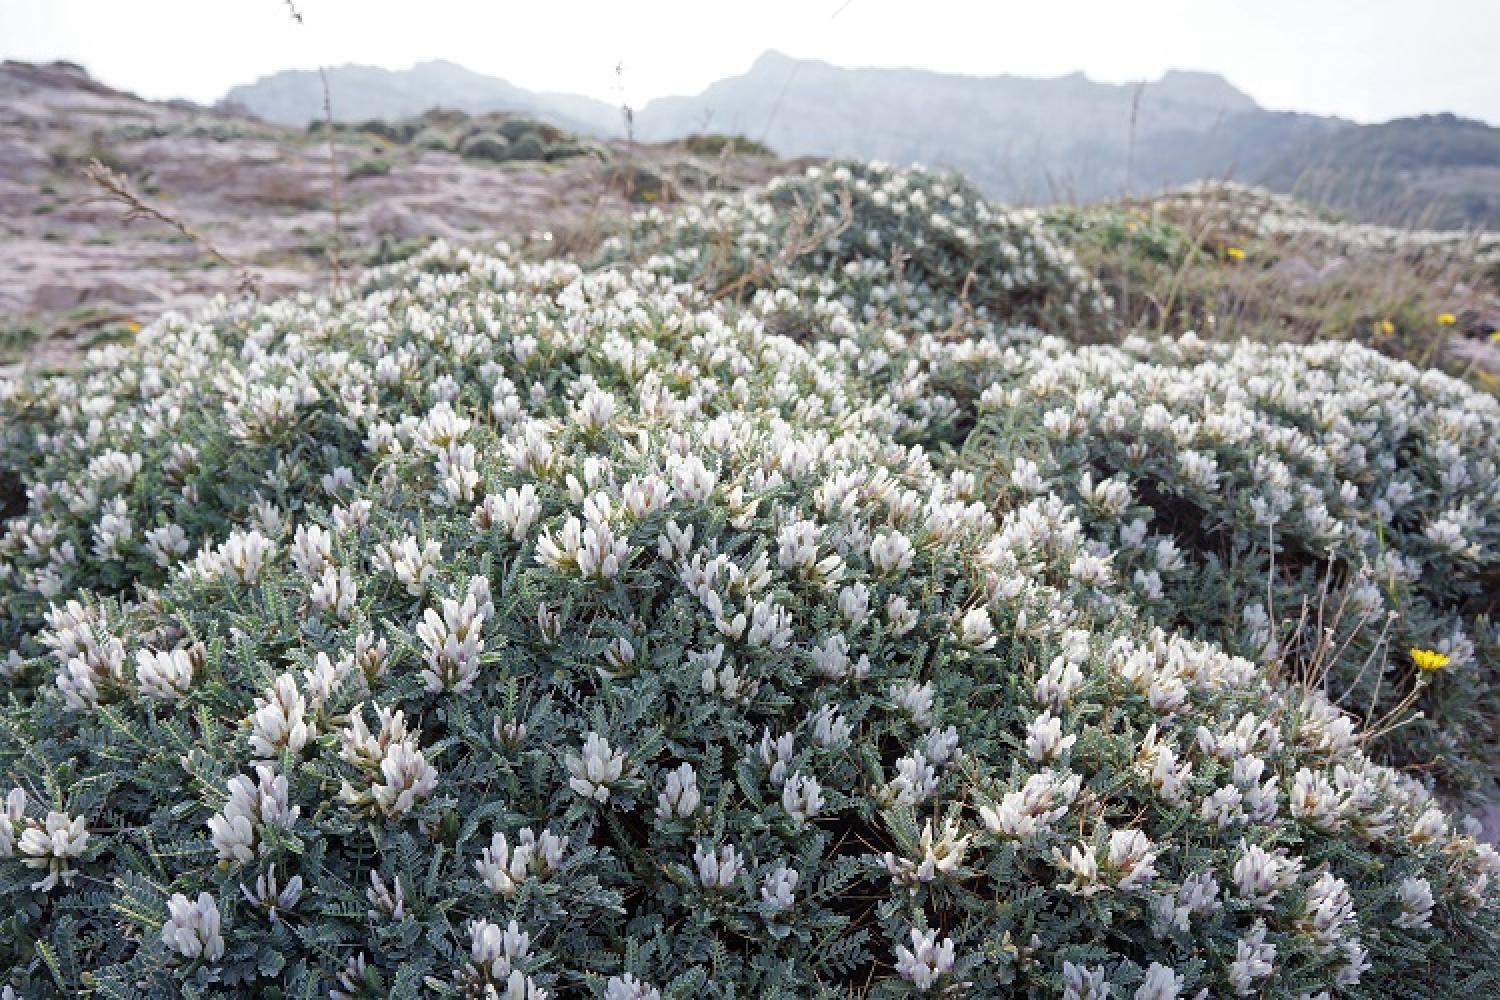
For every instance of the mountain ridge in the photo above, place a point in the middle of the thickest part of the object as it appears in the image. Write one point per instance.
(1022, 139)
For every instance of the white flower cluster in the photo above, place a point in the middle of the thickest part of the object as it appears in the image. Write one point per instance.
(751, 642)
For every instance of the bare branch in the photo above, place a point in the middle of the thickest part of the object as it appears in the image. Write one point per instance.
(117, 188)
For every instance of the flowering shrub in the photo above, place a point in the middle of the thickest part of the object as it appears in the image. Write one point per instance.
(1256, 211)
(516, 630)
(906, 245)
(1324, 510)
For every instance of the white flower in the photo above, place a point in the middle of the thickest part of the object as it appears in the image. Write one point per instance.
(95, 665)
(976, 630)
(915, 782)
(1328, 912)
(312, 550)
(831, 658)
(394, 770)
(900, 617)
(1254, 960)
(270, 895)
(1356, 963)
(1023, 814)
(497, 951)
(1416, 904)
(627, 987)
(167, 544)
(937, 853)
(513, 512)
(1044, 738)
(252, 806)
(797, 551)
(595, 411)
(778, 888)
(407, 777)
(596, 769)
(830, 729)
(891, 553)
(335, 591)
(854, 603)
(52, 845)
(926, 961)
(504, 868)
(165, 676)
(1221, 807)
(692, 481)
(1259, 875)
(411, 564)
(192, 929)
(1083, 866)
(802, 798)
(1057, 686)
(244, 556)
(386, 902)
(915, 700)
(12, 820)
(724, 680)
(718, 871)
(1161, 983)
(593, 552)
(1315, 801)
(680, 798)
(279, 720)
(776, 755)
(453, 642)
(1131, 860)
(324, 677)
(1083, 982)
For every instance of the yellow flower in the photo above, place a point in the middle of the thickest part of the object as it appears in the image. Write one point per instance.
(1235, 253)
(1429, 660)
(1385, 328)
(1446, 319)
(1495, 336)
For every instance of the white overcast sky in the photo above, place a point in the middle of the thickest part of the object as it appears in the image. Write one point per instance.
(1365, 59)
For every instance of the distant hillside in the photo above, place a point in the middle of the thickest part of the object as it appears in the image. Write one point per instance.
(1438, 171)
(295, 97)
(1022, 139)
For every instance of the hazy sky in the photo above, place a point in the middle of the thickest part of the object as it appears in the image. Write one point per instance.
(1365, 59)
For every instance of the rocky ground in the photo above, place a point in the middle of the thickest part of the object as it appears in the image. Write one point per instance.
(77, 270)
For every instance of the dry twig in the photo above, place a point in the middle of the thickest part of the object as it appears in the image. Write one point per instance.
(117, 188)
(798, 242)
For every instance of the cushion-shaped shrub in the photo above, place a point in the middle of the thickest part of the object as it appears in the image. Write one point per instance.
(514, 630)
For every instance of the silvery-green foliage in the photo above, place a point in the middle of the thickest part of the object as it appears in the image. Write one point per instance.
(1321, 509)
(512, 629)
(907, 246)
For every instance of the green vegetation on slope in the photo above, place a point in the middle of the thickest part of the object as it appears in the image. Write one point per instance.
(775, 613)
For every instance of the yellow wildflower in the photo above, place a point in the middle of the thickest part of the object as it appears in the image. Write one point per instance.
(1495, 336)
(1235, 253)
(1429, 660)
(1446, 319)
(1385, 328)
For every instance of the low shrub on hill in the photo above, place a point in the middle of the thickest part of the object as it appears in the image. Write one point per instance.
(519, 630)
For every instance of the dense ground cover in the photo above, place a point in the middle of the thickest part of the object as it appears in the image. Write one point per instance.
(770, 607)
